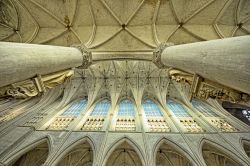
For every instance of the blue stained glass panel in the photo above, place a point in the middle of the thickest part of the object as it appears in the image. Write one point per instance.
(151, 109)
(126, 108)
(204, 108)
(177, 109)
(101, 108)
(76, 108)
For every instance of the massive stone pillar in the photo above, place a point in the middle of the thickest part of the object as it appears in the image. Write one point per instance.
(23, 61)
(224, 61)
(27, 70)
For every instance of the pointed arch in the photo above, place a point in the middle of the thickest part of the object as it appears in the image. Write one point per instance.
(182, 116)
(246, 146)
(126, 108)
(36, 153)
(154, 108)
(81, 151)
(103, 102)
(216, 155)
(69, 114)
(124, 152)
(131, 99)
(155, 120)
(126, 113)
(169, 153)
(97, 116)
(100, 98)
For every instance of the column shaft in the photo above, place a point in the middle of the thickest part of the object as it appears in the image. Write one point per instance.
(226, 61)
(22, 61)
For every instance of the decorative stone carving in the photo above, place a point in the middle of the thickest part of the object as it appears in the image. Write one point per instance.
(223, 125)
(34, 86)
(86, 56)
(52, 80)
(93, 124)
(203, 88)
(158, 124)
(180, 76)
(191, 125)
(157, 54)
(61, 123)
(125, 124)
(22, 89)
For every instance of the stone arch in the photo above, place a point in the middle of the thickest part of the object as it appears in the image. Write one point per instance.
(154, 99)
(169, 153)
(124, 152)
(126, 98)
(246, 146)
(36, 153)
(129, 96)
(81, 151)
(216, 155)
(182, 103)
(97, 100)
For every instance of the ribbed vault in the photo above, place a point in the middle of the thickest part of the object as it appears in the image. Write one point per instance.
(124, 25)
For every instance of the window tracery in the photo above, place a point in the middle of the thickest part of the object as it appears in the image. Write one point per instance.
(155, 119)
(97, 117)
(213, 117)
(126, 116)
(185, 119)
(63, 121)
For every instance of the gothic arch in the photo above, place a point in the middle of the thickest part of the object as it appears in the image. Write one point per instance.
(246, 146)
(156, 101)
(182, 103)
(35, 153)
(128, 149)
(129, 96)
(80, 151)
(167, 153)
(216, 155)
(97, 100)
(126, 98)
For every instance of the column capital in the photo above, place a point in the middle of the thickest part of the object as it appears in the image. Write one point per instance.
(157, 54)
(86, 56)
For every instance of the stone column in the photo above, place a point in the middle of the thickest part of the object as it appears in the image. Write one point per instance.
(21, 61)
(225, 61)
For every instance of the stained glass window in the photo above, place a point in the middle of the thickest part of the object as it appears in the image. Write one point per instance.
(246, 113)
(204, 108)
(177, 109)
(101, 108)
(151, 109)
(76, 108)
(126, 108)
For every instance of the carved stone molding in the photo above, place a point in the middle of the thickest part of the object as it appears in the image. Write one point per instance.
(157, 54)
(34, 86)
(203, 88)
(180, 76)
(86, 56)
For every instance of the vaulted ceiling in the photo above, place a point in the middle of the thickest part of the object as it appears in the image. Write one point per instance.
(122, 25)
(119, 79)
(125, 26)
